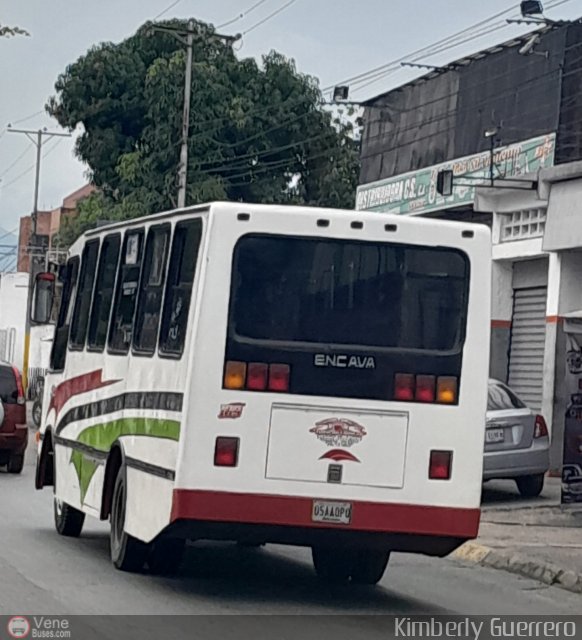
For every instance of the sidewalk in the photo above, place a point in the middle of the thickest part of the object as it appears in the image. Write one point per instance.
(536, 539)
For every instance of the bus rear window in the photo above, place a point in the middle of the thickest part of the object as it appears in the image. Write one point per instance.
(331, 291)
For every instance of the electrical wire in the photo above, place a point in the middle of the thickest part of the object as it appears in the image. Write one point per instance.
(269, 17)
(243, 14)
(168, 8)
(27, 171)
(27, 118)
(18, 159)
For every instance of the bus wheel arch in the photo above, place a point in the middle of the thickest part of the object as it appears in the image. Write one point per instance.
(112, 466)
(45, 465)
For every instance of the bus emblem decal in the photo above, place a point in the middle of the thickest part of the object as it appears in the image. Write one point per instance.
(338, 432)
(231, 411)
(339, 455)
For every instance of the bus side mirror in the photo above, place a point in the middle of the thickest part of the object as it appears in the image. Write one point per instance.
(42, 298)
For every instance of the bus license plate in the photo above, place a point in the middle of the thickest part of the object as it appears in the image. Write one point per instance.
(332, 512)
(494, 435)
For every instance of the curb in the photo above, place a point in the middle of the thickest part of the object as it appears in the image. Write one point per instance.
(475, 553)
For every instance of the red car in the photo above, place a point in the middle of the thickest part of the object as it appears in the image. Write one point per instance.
(13, 428)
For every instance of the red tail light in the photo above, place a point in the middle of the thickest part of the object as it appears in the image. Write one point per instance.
(404, 387)
(425, 388)
(440, 465)
(226, 452)
(21, 399)
(257, 374)
(541, 428)
(279, 377)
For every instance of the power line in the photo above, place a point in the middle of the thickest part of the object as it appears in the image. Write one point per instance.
(445, 43)
(27, 171)
(18, 159)
(243, 14)
(168, 8)
(269, 17)
(27, 118)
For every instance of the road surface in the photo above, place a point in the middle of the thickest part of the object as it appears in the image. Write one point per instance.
(43, 573)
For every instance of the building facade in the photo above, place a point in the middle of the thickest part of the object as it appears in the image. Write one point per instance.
(509, 127)
(48, 224)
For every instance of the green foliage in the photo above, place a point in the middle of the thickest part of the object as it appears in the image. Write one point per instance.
(9, 32)
(258, 133)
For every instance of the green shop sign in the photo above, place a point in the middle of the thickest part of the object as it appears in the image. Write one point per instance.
(415, 192)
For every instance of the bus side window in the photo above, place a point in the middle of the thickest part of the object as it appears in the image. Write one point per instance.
(103, 295)
(61, 336)
(82, 308)
(151, 292)
(181, 272)
(126, 292)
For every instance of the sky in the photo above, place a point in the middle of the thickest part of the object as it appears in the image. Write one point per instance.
(333, 40)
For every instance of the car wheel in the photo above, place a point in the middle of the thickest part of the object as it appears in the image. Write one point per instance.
(16, 463)
(368, 566)
(127, 553)
(165, 556)
(530, 486)
(332, 565)
(68, 520)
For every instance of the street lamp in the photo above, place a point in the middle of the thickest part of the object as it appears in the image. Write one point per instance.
(531, 8)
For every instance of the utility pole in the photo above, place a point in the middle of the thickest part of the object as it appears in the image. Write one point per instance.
(35, 251)
(186, 37)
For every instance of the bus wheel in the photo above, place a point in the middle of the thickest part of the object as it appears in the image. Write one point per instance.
(68, 520)
(368, 566)
(165, 556)
(332, 565)
(127, 553)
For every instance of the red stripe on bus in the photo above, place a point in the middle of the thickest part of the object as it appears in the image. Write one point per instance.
(553, 319)
(76, 386)
(294, 511)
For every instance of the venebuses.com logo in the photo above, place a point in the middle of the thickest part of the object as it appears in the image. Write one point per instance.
(38, 627)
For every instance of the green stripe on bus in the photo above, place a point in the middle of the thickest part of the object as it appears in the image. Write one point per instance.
(102, 436)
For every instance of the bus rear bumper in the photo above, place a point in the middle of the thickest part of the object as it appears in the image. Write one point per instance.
(288, 520)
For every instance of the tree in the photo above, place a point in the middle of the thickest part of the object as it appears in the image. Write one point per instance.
(257, 132)
(8, 32)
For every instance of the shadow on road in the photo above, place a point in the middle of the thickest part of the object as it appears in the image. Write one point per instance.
(264, 579)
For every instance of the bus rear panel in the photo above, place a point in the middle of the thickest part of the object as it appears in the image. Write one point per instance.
(339, 382)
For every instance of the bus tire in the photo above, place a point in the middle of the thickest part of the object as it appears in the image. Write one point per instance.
(165, 556)
(368, 566)
(16, 463)
(68, 520)
(127, 553)
(332, 565)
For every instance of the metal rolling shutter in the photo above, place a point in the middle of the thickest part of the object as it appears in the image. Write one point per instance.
(528, 337)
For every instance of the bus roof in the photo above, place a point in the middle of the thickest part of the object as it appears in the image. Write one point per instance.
(213, 208)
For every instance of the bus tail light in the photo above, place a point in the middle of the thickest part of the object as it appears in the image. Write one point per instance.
(226, 452)
(541, 428)
(21, 399)
(257, 376)
(447, 389)
(235, 375)
(279, 377)
(440, 465)
(404, 386)
(425, 388)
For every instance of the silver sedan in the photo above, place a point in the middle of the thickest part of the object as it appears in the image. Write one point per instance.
(517, 443)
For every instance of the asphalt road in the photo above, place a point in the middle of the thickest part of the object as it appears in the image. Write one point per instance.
(43, 573)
